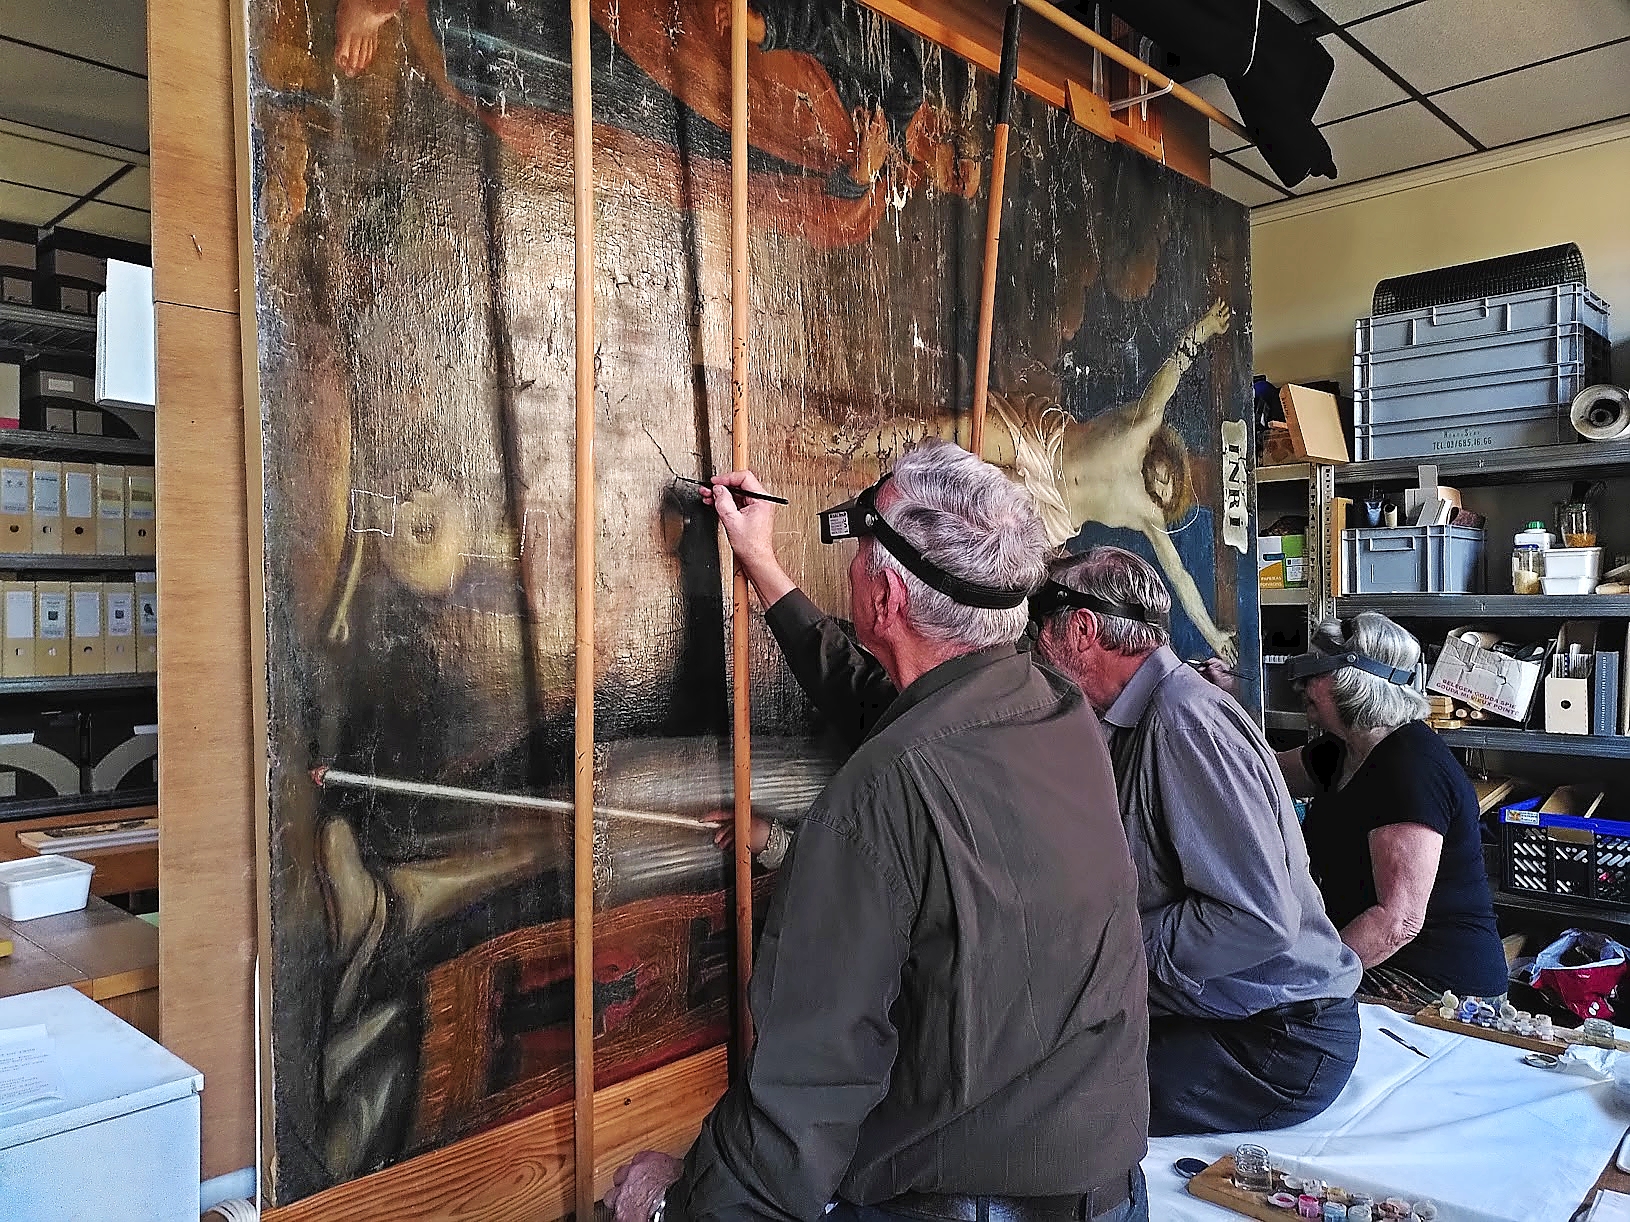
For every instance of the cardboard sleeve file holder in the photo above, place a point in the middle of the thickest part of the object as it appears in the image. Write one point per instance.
(146, 623)
(46, 509)
(140, 539)
(16, 515)
(119, 636)
(86, 643)
(1483, 678)
(1567, 699)
(110, 510)
(78, 509)
(51, 642)
(17, 609)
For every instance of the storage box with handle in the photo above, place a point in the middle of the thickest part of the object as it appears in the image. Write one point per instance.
(1414, 560)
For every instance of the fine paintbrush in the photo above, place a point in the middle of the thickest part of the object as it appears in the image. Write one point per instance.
(748, 493)
(1199, 665)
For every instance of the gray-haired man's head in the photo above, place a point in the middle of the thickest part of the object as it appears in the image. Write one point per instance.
(969, 520)
(1099, 651)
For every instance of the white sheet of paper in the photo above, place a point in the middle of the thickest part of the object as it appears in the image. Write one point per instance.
(25, 1068)
(1610, 1207)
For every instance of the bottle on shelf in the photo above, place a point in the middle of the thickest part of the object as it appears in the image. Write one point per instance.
(1527, 558)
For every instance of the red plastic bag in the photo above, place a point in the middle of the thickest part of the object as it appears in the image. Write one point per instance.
(1579, 970)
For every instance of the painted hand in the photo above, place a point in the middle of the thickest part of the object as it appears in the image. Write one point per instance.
(1214, 323)
(871, 144)
(356, 32)
(757, 836)
(755, 23)
(638, 1186)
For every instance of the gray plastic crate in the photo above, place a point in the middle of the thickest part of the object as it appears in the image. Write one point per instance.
(1414, 560)
(1480, 412)
(1491, 373)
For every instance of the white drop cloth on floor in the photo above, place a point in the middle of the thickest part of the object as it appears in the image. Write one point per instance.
(1471, 1127)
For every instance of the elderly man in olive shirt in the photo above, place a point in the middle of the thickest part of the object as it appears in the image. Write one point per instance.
(949, 993)
(1252, 1020)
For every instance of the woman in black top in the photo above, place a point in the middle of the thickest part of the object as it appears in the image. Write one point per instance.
(1392, 833)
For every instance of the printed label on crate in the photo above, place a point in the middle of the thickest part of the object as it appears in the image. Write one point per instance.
(119, 614)
(64, 385)
(1528, 818)
(13, 490)
(54, 617)
(47, 492)
(78, 491)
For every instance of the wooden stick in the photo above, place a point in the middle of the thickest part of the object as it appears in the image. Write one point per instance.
(993, 226)
(340, 779)
(1133, 64)
(741, 711)
(583, 726)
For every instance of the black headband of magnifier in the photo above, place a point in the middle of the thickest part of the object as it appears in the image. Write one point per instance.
(1327, 656)
(1055, 596)
(860, 519)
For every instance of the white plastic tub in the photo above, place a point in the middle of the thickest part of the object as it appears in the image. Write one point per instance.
(43, 886)
(1574, 562)
(1569, 585)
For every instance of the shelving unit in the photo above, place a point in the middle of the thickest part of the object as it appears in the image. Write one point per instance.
(32, 443)
(45, 684)
(45, 330)
(27, 561)
(1519, 466)
(1313, 599)
(1279, 719)
(114, 804)
(1285, 598)
(1487, 606)
(1537, 742)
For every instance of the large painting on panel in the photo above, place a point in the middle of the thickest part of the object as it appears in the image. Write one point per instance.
(413, 287)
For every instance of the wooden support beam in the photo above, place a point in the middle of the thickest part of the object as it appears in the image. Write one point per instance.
(583, 776)
(741, 708)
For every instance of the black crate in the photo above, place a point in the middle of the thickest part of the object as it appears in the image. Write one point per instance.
(1584, 861)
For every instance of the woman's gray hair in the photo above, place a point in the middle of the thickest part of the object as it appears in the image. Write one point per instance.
(1120, 576)
(1368, 702)
(972, 521)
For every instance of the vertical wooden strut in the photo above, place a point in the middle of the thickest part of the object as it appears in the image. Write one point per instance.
(993, 225)
(741, 719)
(583, 772)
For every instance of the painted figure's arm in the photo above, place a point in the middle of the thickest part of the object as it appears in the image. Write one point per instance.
(1188, 594)
(1151, 408)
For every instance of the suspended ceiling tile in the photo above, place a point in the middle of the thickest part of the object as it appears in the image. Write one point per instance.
(1575, 91)
(62, 95)
(112, 31)
(132, 189)
(51, 166)
(1344, 11)
(1214, 90)
(1442, 43)
(1387, 141)
(1241, 186)
(1356, 85)
(127, 223)
(29, 206)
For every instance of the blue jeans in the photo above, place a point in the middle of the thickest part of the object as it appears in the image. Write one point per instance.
(1269, 1071)
(1134, 1209)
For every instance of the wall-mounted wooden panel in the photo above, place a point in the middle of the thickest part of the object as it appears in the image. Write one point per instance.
(206, 844)
(194, 172)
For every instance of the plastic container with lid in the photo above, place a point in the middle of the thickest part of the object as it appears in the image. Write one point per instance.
(43, 886)
(1527, 564)
(1573, 562)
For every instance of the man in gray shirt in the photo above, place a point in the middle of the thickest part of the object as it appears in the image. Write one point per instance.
(1252, 1019)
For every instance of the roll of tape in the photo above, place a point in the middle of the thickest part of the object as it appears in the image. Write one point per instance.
(1601, 413)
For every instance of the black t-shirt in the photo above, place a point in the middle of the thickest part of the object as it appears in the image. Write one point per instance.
(1409, 777)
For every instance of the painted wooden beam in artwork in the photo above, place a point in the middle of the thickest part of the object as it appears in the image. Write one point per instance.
(525, 1169)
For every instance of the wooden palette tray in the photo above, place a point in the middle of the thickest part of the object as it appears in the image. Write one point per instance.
(1216, 1184)
(1428, 1017)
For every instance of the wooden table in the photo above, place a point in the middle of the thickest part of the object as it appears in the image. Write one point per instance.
(103, 951)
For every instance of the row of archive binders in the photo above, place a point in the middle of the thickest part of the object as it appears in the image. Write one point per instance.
(75, 509)
(56, 628)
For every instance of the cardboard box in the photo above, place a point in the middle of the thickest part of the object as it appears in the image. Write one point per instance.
(86, 640)
(17, 287)
(45, 505)
(141, 539)
(110, 510)
(16, 517)
(122, 746)
(1475, 674)
(66, 386)
(41, 754)
(1281, 562)
(1314, 418)
(119, 627)
(88, 421)
(11, 395)
(17, 625)
(51, 640)
(1567, 699)
(146, 623)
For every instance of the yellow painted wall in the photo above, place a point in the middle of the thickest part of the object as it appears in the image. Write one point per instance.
(1313, 274)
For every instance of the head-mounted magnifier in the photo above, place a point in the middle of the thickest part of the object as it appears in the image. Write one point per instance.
(860, 519)
(1055, 596)
(1328, 656)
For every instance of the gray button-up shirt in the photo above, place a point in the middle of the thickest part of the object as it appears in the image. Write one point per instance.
(1232, 921)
